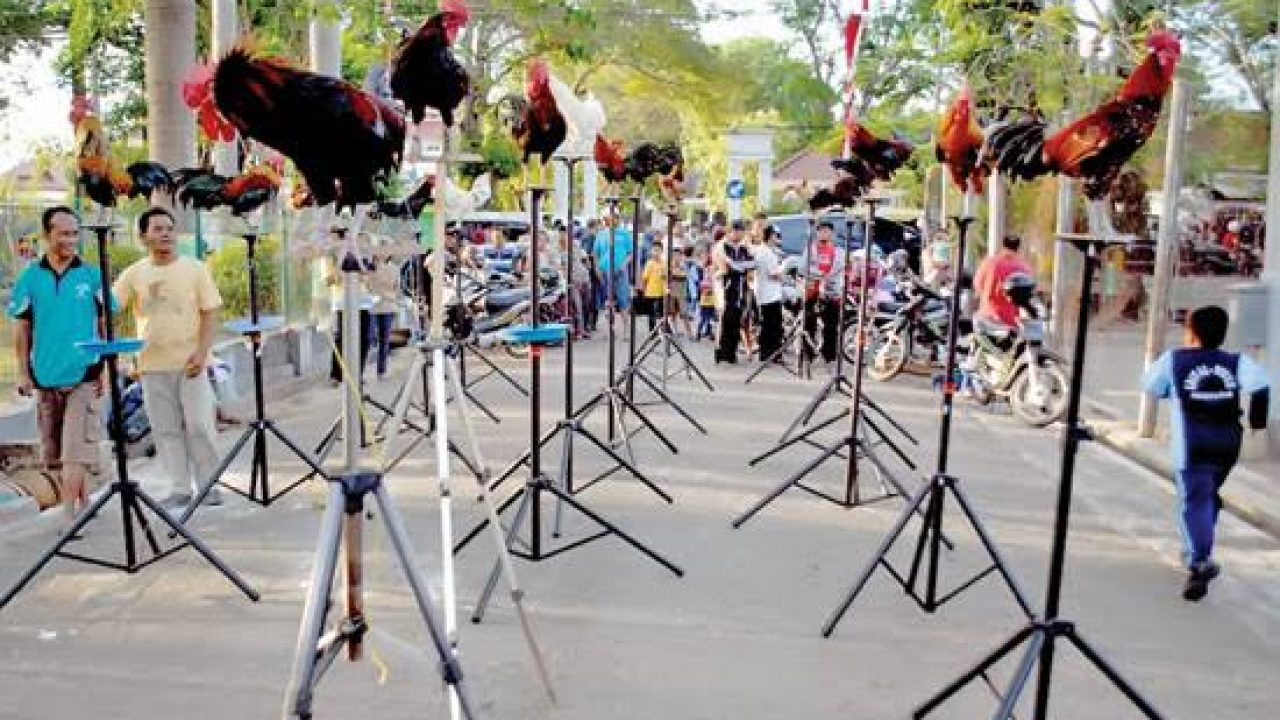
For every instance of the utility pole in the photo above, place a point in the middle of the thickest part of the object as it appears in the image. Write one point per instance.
(1271, 261)
(1166, 247)
(226, 160)
(325, 39)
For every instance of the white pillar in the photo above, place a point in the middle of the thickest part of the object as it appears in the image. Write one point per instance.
(170, 52)
(1271, 261)
(590, 192)
(325, 41)
(764, 180)
(1058, 318)
(225, 31)
(735, 205)
(1166, 248)
(996, 200)
(560, 206)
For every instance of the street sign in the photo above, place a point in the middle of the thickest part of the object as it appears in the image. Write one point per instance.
(736, 190)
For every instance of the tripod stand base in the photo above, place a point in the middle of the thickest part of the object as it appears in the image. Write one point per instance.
(1040, 638)
(133, 501)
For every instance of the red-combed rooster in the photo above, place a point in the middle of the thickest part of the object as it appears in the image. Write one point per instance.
(244, 193)
(424, 72)
(958, 145)
(610, 159)
(884, 157)
(344, 142)
(101, 175)
(197, 93)
(1094, 148)
(540, 129)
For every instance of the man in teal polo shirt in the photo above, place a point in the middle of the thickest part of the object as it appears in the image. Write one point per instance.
(56, 303)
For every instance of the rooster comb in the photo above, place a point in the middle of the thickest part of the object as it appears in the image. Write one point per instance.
(456, 7)
(1161, 39)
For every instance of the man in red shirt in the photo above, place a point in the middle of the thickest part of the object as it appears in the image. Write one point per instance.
(988, 281)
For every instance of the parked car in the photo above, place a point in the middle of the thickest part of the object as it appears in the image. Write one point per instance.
(889, 236)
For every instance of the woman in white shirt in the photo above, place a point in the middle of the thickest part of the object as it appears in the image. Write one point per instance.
(768, 287)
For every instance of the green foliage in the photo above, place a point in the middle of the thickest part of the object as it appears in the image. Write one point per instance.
(22, 24)
(500, 156)
(232, 277)
(120, 256)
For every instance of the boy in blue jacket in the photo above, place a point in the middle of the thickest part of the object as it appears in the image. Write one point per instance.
(1207, 385)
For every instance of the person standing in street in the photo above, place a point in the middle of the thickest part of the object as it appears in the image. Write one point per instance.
(733, 263)
(769, 293)
(653, 281)
(385, 285)
(1206, 385)
(175, 303)
(56, 303)
(824, 293)
(613, 266)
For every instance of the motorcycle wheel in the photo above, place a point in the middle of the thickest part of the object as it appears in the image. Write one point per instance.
(887, 355)
(1039, 412)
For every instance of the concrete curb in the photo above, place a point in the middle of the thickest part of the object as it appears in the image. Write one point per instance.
(1238, 496)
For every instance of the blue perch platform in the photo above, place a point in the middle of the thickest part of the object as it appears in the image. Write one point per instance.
(119, 346)
(540, 335)
(245, 326)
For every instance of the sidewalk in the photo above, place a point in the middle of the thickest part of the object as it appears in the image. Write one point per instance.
(1112, 395)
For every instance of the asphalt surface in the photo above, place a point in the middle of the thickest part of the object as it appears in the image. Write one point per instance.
(736, 637)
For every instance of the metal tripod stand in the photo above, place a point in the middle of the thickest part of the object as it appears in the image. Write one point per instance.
(935, 490)
(342, 526)
(259, 473)
(530, 496)
(1043, 632)
(796, 335)
(857, 444)
(133, 499)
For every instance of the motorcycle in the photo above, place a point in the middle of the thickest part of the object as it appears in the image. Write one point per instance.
(1013, 364)
(484, 314)
(910, 328)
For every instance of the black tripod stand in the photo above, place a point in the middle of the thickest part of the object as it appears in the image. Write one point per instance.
(663, 336)
(1043, 632)
(856, 444)
(259, 490)
(133, 499)
(796, 335)
(929, 544)
(537, 336)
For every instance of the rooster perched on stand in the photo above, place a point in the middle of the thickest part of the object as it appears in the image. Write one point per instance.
(1094, 148)
(870, 159)
(344, 142)
(584, 117)
(535, 120)
(610, 159)
(101, 175)
(424, 72)
(205, 190)
(958, 144)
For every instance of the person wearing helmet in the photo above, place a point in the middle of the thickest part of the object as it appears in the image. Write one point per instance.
(989, 281)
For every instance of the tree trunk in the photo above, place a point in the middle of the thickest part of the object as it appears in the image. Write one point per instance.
(171, 51)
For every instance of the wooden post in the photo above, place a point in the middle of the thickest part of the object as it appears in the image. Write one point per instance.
(1166, 247)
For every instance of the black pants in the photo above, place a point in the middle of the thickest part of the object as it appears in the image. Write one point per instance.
(770, 329)
(335, 370)
(653, 310)
(730, 331)
(829, 312)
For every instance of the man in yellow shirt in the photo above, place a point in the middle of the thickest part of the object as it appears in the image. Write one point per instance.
(653, 282)
(176, 305)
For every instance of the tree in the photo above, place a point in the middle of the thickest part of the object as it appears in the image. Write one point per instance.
(23, 24)
(1239, 38)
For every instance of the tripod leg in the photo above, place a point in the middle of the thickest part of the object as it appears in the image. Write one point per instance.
(68, 535)
(207, 485)
(615, 530)
(879, 557)
(491, 582)
(807, 413)
(674, 405)
(692, 366)
(1112, 674)
(635, 472)
(297, 699)
(199, 545)
(483, 408)
(975, 672)
(450, 669)
(802, 437)
(930, 528)
(887, 441)
(648, 423)
(1018, 595)
(498, 370)
(142, 523)
(565, 478)
(788, 483)
(889, 419)
(1041, 646)
(294, 448)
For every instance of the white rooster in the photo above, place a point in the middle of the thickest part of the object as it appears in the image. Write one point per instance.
(584, 117)
(459, 202)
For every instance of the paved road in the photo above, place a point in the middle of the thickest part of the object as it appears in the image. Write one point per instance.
(736, 638)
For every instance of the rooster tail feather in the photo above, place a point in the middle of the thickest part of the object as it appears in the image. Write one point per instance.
(1017, 149)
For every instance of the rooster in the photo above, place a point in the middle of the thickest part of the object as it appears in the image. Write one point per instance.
(197, 93)
(424, 72)
(610, 159)
(539, 129)
(844, 193)
(103, 178)
(959, 144)
(1095, 147)
(584, 117)
(410, 207)
(883, 157)
(244, 193)
(344, 142)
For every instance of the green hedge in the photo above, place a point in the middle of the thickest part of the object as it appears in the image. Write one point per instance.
(232, 277)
